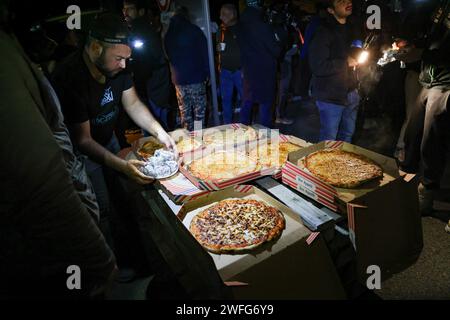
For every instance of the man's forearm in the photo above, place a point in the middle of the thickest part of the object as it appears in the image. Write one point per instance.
(100, 154)
(140, 114)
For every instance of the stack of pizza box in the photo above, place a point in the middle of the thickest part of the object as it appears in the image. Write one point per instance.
(383, 216)
(296, 265)
(184, 186)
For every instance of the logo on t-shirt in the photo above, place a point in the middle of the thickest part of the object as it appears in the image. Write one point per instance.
(107, 97)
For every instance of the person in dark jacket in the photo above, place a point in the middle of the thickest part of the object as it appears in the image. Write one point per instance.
(259, 54)
(333, 84)
(427, 136)
(45, 226)
(187, 50)
(150, 67)
(229, 60)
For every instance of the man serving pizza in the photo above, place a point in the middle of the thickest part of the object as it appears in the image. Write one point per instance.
(92, 87)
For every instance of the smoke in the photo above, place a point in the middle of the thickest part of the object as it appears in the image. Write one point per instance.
(369, 76)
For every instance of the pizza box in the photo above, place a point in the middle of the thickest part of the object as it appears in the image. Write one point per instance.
(225, 132)
(277, 138)
(179, 189)
(297, 265)
(214, 185)
(298, 177)
(383, 216)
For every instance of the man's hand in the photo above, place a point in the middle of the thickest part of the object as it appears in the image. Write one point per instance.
(132, 171)
(352, 63)
(167, 140)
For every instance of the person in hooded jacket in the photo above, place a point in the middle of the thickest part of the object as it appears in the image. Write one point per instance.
(259, 53)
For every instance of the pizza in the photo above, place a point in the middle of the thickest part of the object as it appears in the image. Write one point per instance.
(186, 144)
(237, 225)
(341, 168)
(147, 150)
(222, 165)
(270, 156)
(229, 136)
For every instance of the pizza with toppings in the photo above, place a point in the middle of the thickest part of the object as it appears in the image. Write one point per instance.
(341, 168)
(222, 165)
(237, 225)
(270, 156)
(229, 136)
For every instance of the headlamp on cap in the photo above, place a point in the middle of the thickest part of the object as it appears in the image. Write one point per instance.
(137, 43)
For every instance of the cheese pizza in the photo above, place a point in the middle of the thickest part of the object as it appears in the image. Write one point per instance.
(341, 168)
(273, 154)
(237, 225)
(222, 166)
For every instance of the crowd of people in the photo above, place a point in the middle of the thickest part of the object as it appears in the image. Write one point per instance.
(57, 169)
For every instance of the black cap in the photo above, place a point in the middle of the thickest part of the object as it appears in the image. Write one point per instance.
(110, 28)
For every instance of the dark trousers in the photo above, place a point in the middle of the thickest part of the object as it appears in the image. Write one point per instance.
(265, 113)
(427, 136)
(284, 83)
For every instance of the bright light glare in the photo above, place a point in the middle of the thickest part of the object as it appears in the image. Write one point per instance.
(137, 44)
(363, 57)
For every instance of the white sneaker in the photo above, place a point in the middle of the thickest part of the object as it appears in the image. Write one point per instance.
(447, 227)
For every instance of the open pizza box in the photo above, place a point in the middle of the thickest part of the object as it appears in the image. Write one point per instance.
(383, 216)
(179, 189)
(225, 138)
(219, 184)
(279, 138)
(297, 265)
(298, 177)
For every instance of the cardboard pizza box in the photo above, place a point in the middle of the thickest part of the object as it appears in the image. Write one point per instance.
(383, 216)
(297, 265)
(215, 185)
(298, 177)
(179, 189)
(281, 138)
(228, 142)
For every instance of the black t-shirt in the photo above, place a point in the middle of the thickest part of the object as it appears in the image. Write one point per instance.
(230, 58)
(83, 98)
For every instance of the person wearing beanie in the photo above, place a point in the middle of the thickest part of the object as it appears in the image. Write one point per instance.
(93, 88)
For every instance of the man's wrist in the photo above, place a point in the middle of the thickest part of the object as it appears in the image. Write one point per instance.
(160, 132)
(116, 163)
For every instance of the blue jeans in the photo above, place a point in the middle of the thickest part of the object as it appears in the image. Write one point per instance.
(265, 113)
(228, 81)
(337, 122)
(161, 114)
